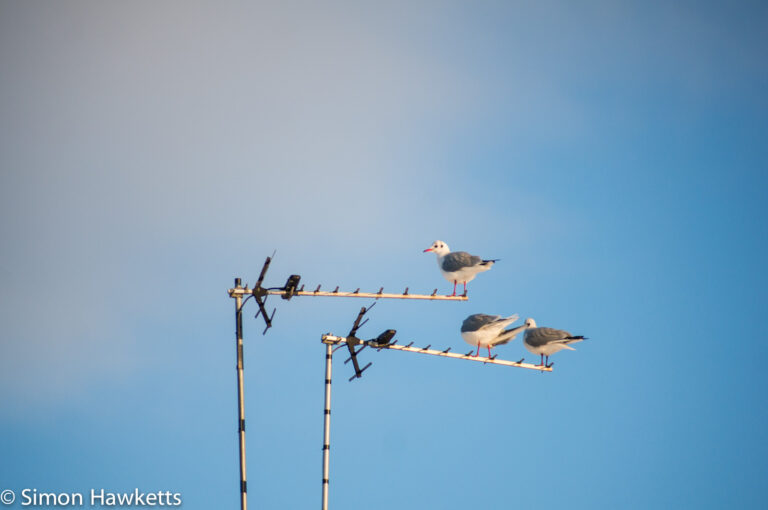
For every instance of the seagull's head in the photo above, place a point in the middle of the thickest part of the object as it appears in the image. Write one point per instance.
(530, 323)
(438, 247)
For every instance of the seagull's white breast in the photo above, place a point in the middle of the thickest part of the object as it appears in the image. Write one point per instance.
(475, 338)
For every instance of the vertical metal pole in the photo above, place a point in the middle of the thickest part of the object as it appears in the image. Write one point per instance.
(240, 396)
(327, 427)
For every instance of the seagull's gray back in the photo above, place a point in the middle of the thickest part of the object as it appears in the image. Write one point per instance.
(538, 337)
(477, 321)
(457, 260)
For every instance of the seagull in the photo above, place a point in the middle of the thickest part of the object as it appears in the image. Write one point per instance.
(488, 330)
(458, 266)
(547, 341)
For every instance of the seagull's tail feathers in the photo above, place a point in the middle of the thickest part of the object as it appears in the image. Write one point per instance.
(570, 340)
(485, 265)
(502, 323)
(512, 318)
(507, 336)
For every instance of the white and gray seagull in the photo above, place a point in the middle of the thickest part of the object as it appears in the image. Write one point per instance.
(458, 266)
(488, 330)
(547, 341)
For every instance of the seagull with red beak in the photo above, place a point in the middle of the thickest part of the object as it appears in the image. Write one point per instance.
(458, 266)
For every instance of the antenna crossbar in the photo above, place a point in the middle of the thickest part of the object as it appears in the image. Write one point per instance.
(370, 295)
(493, 360)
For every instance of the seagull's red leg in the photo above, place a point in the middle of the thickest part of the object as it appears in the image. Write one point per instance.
(465, 288)
(454, 287)
(489, 351)
(478, 351)
(542, 360)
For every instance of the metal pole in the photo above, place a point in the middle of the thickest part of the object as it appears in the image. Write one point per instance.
(327, 425)
(240, 396)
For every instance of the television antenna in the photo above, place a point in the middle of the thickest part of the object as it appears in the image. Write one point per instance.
(384, 341)
(241, 294)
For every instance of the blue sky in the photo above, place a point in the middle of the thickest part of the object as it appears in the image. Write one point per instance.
(613, 155)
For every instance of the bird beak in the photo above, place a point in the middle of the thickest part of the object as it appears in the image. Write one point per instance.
(428, 249)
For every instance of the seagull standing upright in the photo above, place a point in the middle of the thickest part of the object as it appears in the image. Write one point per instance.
(488, 330)
(458, 266)
(547, 341)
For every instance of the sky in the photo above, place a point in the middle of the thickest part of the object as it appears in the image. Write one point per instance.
(612, 155)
